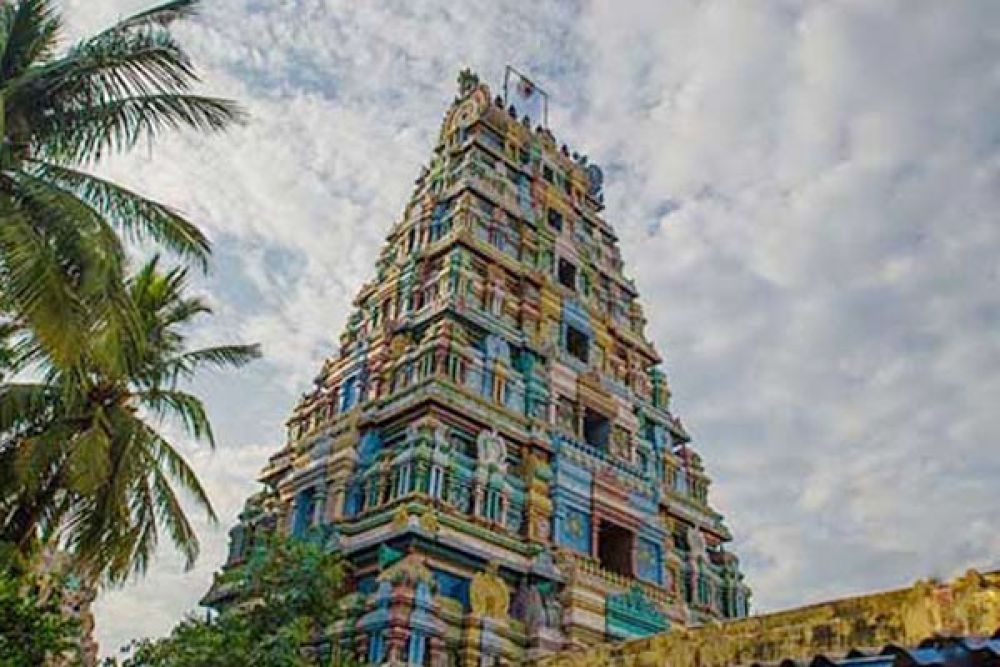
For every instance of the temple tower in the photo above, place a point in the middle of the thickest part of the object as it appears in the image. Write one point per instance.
(493, 448)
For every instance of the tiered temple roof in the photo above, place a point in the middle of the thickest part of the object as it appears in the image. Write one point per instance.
(493, 447)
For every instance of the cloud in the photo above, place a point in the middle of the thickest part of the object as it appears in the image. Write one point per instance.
(829, 298)
(805, 194)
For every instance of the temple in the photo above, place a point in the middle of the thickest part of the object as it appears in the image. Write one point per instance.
(493, 448)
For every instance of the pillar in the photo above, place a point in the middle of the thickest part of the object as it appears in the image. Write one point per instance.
(595, 525)
(438, 652)
(396, 648)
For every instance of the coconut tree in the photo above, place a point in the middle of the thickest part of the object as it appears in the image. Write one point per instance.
(88, 462)
(62, 110)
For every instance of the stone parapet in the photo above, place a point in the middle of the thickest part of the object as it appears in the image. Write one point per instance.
(967, 606)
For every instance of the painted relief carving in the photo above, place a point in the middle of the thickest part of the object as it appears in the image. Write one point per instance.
(491, 449)
(489, 595)
(401, 518)
(429, 522)
(621, 446)
(697, 542)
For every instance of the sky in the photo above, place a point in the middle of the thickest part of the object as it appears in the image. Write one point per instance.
(805, 192)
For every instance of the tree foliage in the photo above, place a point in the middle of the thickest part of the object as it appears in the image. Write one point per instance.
(92, 362)
(84, 459)
(289, 591)
(32, 625)
(61, 111)
(93, 356)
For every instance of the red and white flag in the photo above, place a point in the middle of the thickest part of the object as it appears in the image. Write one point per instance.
(527, 98)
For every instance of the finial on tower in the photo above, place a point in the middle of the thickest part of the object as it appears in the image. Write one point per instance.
(467, 81)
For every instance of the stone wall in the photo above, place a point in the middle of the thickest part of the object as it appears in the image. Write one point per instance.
(967, 606)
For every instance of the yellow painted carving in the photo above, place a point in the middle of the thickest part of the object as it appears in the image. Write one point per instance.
(399, 344)
(410, 571)
(429, 522)
(401, 518)
(488, 594)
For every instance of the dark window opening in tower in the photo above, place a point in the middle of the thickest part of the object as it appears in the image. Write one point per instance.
(577, 343)
(596, 429)
(567, 273)
(555, 219)
(614, 548)
(681, 539)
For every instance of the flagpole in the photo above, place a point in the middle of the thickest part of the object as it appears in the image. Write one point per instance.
(545, 96)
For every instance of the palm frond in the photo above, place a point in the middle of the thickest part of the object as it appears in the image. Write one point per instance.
(220, 357)
(83, 237)
(132, 551)
(131, 542)
(56, 100)
(156, 292)
(39, 459)
(161, 15)
(166, 455)
(182, 311)
(62, 267)
(173, 403)
(87, 253)
(138, 217)
(34, 280)
(87, 135)
(11, 354)
(160, 297)
(118, 342)
(141, 281)
(31, 505)
(23, 404)
(23, 352)
(103, 67)
(104, 528)
(171, 515)
(89, 464)
(30, 33)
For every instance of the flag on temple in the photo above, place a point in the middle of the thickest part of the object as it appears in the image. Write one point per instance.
(527, 98)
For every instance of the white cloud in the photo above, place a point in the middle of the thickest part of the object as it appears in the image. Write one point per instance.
(805, 193)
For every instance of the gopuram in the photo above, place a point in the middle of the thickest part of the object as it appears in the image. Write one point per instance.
(493, 449)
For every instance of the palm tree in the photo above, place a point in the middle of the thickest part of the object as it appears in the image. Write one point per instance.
(79, 458)
(93, 471)
(62, 111)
